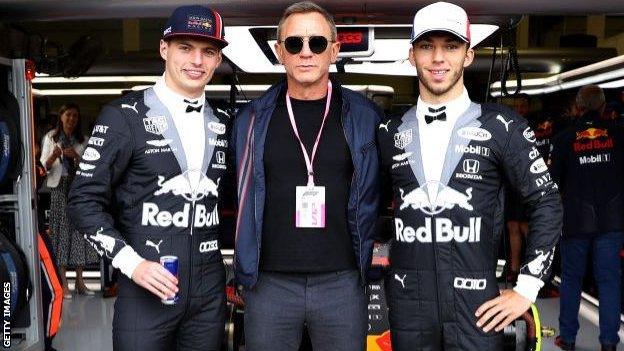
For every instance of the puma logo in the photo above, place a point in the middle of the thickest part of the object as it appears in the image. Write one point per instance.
(156, 246)
(503, 121)
(132, 107)
(385, 126)
(400, 280)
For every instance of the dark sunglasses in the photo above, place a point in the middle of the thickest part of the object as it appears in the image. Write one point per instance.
(317, 44)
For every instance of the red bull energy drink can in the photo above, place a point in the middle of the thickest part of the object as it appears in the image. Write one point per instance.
(171, 264)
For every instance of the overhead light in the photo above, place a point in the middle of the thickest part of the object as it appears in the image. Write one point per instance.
(95, 79)
(216, 89)
(613, 84)
(603, 71)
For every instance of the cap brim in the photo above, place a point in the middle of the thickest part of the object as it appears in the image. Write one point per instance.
(219, 42)
(461, 37)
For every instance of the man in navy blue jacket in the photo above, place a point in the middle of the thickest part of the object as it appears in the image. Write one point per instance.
(588, 165)
(307, 174)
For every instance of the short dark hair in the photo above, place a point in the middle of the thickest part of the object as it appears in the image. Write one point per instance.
(307, 7)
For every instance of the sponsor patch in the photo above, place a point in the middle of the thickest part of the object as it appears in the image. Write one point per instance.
(101, 129)
(445, 199)
(208, 246)
(159, 143)
(217, 142)
(155, 125)
(473, 149)
(504, 122)
(534, 153)
(529, 135)
(220, 157)
(402, 139)
(91, 154)
(216, 127)
(95, 141)
(600, 158)
(474, 133)
(385, 126)
(538, 166)
(471, 166)
(131, 107)
(469, 283)
(86, 166)
(442, 228)
(401, 157)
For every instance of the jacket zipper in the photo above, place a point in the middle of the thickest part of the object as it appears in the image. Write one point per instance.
(252, 177)
(357, 203)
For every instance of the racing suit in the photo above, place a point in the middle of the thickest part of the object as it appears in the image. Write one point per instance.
(446, 233)
(134, 199)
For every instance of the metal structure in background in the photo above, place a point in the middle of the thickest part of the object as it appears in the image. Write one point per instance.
(23, 203)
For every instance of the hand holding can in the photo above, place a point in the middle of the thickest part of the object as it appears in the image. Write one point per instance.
(171, 264)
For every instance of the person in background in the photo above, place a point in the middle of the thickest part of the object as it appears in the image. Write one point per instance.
(60, 154)
(515, 211)
(587, 163)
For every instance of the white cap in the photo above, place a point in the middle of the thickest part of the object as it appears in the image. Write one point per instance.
(441, 16)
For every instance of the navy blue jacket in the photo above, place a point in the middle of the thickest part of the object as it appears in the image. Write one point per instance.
(360, 118)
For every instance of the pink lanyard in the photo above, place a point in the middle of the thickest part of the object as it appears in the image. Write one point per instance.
(309, 161)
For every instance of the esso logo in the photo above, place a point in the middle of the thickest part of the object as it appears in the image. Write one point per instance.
(350, 38)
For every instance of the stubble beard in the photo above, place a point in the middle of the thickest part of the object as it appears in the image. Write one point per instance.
(439, 91)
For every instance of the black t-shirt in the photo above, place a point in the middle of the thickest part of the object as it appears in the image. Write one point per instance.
(306, 250)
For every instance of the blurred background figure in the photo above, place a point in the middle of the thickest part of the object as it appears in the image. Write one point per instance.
(60, 155)
(515, 212)
(587, 164)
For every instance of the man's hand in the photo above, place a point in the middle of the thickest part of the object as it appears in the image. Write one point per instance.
(155, 278)
(501, 310)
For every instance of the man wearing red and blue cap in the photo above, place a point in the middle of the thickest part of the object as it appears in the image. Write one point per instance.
(448, 159)
(148, 187)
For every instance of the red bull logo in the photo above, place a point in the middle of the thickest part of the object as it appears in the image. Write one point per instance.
(181, 185)
(445, 199)
(592, 144)
(442, 228)
(153, 216)
(591, 134)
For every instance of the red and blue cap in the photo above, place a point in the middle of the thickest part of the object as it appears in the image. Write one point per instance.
(196, 21)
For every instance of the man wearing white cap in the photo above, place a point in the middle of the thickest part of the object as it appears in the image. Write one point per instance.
(448, 159)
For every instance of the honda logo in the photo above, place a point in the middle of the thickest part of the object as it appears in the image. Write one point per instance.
(220, 156)
(471, 166)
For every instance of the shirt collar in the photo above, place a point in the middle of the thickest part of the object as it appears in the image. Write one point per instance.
(454, 108)
(171, 99)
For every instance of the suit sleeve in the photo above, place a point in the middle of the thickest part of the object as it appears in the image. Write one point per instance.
(528, 174)
(90, 198)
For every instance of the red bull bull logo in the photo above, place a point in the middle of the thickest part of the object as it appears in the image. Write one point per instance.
(181, 185)
(445, 199)
(591, 134)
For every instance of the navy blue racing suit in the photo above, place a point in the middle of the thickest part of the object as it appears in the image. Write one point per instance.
(446, 233)
(133, 194)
